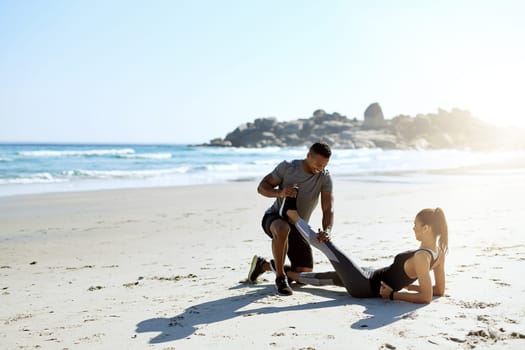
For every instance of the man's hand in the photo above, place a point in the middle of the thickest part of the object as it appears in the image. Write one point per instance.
(323, 236)
(290, 191)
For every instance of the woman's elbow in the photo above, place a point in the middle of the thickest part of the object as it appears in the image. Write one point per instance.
(439, 292)
(421, 299)
(426, 300)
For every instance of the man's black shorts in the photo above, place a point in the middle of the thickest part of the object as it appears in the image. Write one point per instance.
(299, 251)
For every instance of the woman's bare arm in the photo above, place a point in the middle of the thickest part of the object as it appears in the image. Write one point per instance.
(439, 276)
(423, 291)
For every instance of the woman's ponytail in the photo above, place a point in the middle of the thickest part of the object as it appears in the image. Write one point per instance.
(440, 228)
(435, 218)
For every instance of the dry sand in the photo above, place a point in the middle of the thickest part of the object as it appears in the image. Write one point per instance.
(163, 268)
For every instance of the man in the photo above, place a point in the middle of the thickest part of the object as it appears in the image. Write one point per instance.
(307, 179)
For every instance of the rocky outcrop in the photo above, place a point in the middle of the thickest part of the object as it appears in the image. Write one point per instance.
(374, 118)
(332, 128)
(454, 129)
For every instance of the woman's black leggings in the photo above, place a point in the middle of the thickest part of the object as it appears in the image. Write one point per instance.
(347, 273)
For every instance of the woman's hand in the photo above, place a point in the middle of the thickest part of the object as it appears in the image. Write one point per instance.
(385, 290)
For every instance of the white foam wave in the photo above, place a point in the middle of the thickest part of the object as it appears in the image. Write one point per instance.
(146, 156)
(242, 150)
(222, 167)
(126, 174)
(37, 178)
(284, 153)
(266, 162)
(75, 175)
(75, 153)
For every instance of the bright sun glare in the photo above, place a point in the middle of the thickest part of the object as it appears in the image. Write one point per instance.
(492, 92)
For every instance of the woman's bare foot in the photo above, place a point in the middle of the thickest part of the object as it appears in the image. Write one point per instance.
(293, 216)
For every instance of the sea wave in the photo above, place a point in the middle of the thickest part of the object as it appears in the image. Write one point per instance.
(37, 178)
(241, 150)
(125, 174)
(222, 167)
(77, 153)
(70, 167)
(75, 175)
(145, 156)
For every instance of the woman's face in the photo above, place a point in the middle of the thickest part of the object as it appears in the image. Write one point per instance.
(419, 229)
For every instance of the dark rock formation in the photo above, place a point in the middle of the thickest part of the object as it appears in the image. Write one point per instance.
(374, 118)
(454, 129)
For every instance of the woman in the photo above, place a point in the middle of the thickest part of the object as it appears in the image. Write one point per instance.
(430, 228)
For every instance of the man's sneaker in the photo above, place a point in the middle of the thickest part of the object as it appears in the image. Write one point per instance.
(289, 203)
(283, 288)
(256, 268)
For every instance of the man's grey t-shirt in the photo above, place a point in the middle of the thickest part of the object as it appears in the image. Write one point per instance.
(310, 186)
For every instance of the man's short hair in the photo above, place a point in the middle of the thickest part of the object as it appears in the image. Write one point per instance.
(321, 149)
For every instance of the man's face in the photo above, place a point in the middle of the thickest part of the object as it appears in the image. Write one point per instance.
(316, 163)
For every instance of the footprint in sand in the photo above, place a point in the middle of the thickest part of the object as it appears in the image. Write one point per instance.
(500, 282)
(18, 318)
(476, 304)
(93, 288)
(131, 284)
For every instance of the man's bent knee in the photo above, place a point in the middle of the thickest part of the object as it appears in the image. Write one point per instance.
(280, 229)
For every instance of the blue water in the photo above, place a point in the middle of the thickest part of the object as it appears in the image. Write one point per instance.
(36, 168)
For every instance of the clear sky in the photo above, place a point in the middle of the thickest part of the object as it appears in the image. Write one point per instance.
(189, 71)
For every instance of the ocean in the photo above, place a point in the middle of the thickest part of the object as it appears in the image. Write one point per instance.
(39, 168)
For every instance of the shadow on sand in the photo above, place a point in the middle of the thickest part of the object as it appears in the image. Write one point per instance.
(377, 313)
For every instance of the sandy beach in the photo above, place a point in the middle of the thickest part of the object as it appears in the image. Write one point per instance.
(164, 268)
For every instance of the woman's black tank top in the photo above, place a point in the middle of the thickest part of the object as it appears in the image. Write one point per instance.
(394, 275)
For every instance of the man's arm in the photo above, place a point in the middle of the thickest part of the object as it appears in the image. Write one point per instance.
(327, 206)
(267, 187)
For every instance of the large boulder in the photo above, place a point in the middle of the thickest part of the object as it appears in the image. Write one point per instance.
(320, 116)
(374, 118)
(265, 124)
(289, 128)
(293, 140)
(218, 142)
(332, 126)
